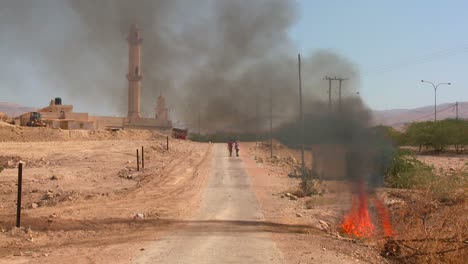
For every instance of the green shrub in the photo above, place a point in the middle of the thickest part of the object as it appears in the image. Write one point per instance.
(407, 172)
(395, 137)
(438, 135)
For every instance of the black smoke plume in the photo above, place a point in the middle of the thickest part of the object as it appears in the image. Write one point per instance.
(217, 60)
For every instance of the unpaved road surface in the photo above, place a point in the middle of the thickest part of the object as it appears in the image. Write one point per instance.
(226, 227)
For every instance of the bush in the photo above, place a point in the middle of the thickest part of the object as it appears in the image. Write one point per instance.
(438, 135)
(390, 133)
(407, 172)
(311, 187)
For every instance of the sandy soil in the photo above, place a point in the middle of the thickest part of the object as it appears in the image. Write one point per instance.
(80, 197)
(444, 164)
(321, 243)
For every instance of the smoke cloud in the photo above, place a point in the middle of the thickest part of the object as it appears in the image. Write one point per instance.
(215, 61)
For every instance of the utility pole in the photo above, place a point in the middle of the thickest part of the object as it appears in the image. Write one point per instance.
(199, 127)
(301, 113)
(271, 122)
(256, 120)
(329, 91)
(435, 95)
(330, 79)
(339, 91)
(456, 107)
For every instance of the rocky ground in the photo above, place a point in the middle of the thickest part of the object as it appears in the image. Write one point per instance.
(444, 164)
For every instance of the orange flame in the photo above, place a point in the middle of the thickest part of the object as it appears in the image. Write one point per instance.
(358, 222)
(384, 217)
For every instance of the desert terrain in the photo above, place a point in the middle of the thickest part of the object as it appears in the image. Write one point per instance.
(81, 193)
(84, 201)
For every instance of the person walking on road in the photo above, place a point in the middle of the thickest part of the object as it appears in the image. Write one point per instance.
(230, 145)
(236, 145)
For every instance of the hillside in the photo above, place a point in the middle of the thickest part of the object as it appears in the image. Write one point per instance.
(13, 110)
(397, 118)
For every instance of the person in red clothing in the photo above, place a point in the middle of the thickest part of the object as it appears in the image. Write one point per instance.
(237, 147)
(230, 145)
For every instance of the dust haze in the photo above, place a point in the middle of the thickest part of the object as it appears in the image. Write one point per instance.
(216, 60)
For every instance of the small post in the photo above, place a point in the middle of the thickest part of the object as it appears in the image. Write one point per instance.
(167, 143)
(20, 186)
(143, 157)
(138, 161)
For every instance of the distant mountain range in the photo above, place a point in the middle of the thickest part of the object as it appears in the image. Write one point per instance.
(14, 110)
(398, 118)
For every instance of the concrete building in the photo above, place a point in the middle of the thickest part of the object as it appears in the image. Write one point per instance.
(57, 115)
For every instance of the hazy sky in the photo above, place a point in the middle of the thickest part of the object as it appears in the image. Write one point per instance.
(394, 44)
(419, 39)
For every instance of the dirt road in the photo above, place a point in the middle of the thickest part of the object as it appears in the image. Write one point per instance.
(228, 226)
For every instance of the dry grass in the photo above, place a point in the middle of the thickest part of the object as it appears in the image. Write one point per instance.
(432, 223)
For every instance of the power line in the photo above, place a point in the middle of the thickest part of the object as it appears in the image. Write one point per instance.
(426, 116)
(418, 60)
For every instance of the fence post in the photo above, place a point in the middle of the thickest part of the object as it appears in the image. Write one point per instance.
(143, 158)
(138, 161)
(167, 143)
(20, 186)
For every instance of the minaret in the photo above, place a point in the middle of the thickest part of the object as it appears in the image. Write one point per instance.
(134, 72)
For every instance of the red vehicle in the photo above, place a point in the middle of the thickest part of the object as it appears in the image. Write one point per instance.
(179, 133)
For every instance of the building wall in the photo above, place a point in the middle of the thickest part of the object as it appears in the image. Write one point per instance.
(103, 122)
(77, 116)
(52, 123)
(52, 115)
(148, 123)
(80, 125)
(57, 108)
